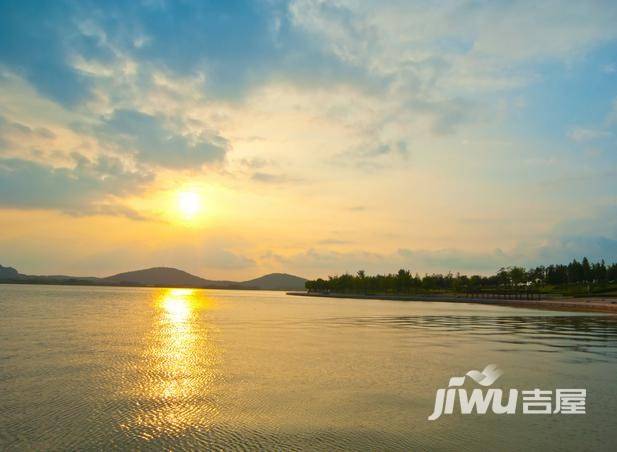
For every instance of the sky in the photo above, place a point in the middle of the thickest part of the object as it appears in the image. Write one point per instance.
(314, 137)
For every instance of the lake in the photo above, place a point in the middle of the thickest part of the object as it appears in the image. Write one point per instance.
(142, 368)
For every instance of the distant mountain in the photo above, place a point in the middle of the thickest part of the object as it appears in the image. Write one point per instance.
(276, 281)
(8, 273)
(11, 274)
(166, 276)
(159, 277)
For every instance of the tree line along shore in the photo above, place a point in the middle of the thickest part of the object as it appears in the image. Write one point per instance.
(575, 279)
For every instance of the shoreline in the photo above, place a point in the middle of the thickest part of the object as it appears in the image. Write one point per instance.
(590, 304)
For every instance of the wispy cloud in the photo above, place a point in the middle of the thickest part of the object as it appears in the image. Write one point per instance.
(154, 142)
(582, 135)
(271, 178)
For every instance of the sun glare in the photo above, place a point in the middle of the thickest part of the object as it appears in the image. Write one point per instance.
(189, 204)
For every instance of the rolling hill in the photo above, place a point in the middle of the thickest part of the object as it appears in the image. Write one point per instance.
(159, 277)
(276, 281)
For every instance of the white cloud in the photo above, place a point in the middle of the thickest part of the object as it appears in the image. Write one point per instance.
(582, 135)
(610, 68)
(388, 36)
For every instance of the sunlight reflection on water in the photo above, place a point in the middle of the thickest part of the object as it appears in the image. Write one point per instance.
(179, 367)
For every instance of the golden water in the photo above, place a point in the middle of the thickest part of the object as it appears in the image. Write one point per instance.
(136, 368)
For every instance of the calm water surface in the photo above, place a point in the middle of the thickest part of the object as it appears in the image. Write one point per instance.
(133, 368)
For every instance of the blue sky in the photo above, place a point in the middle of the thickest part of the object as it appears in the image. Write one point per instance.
(459, 135)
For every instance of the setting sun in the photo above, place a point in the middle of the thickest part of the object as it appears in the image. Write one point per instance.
(189, 204)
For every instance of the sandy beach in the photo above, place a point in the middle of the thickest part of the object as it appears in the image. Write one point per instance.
(590, 304)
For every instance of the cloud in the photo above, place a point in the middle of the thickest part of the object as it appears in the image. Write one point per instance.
(255, 163)
(334, 242)
(13, 134)
(581, 134)
(35, 44)
(599, 138)
(89, 187)
(593, 235)
(610, 68)
(386, 36)
(449, 61)
(225, 259)
(453, 44)
(558, 248)
(564, 249)
(44, 41)
(203, 258)
(453, 260)
(373, 149)
(154, 142)
(450, 115)
(271, 178)
(373, 155)
(393, 47)
(326, 261)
